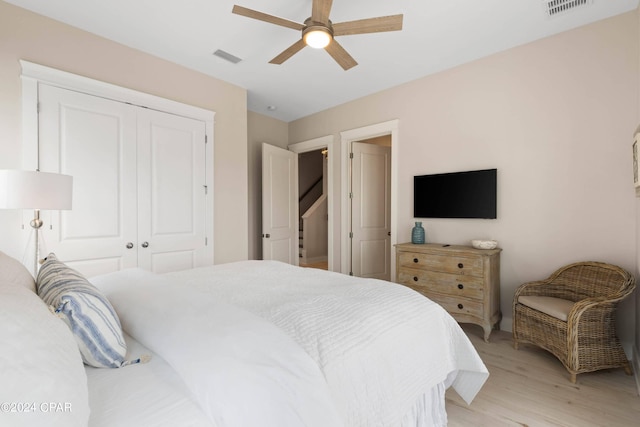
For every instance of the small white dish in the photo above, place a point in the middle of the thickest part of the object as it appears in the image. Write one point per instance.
(484, 244)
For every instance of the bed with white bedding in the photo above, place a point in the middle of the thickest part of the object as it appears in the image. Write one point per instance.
(261, 343)
(149, 394)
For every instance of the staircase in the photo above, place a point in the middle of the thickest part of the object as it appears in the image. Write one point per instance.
(312, 240)
(301, 252)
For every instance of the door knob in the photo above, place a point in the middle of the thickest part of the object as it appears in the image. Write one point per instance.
(145, 244)
(129, 245)
(266, 235)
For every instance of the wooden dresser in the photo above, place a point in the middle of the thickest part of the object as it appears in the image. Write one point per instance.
(462, 279)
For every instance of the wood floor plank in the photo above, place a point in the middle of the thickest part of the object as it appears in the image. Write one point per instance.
(530, 387)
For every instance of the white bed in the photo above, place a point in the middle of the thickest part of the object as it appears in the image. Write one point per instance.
(261, 343)
(149, 394)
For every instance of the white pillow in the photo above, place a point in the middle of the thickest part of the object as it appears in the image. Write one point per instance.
(13, 272)
(43, 381)
(90, 316)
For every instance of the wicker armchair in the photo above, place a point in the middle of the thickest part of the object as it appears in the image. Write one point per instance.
(572, 315)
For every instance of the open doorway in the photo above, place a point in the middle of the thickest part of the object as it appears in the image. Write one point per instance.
(325, 146)
(313, 209)
(385, 133)
(370, 200)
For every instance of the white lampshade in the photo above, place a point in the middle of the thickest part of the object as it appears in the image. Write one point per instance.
(20, 189)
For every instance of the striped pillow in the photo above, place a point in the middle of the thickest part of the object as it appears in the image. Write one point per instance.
(91, 318)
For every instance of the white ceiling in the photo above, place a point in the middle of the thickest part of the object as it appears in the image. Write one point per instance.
(437, 35)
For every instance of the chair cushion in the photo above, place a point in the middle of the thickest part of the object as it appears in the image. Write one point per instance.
(556, 307)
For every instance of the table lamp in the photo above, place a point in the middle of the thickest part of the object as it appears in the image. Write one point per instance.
(21, 189)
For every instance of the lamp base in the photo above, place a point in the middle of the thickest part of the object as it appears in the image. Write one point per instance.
(36, 224)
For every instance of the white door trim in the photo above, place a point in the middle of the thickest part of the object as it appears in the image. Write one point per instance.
(346, 138)
(312, 145)
(35, 74)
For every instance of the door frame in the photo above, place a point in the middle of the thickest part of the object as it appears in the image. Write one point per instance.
(317, 144)
(33, 75)
(346, 138)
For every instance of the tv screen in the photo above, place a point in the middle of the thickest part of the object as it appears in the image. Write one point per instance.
(470, 194)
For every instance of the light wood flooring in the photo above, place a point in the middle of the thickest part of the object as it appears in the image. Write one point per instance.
(530, 387)
(322, 265)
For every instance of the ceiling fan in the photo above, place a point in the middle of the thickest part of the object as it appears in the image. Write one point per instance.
(318, 31)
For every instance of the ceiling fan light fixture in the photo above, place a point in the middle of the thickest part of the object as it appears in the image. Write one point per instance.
(318, 31)
(317, 37)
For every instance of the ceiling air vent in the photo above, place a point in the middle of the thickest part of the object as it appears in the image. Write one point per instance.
(556, 7)
(226, 56)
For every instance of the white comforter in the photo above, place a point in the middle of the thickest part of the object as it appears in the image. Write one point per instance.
(141, 395)
(242, 370)
(380, 345)
(373, 350)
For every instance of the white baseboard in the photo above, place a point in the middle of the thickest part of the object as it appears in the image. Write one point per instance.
(506, 324)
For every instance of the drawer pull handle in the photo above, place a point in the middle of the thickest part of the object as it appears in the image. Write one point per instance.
(460, 286)
(415, 260)
(415, 279)
(460, 306)
(460, 265)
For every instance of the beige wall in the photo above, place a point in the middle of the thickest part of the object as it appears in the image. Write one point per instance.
(555, 117)
(275, 132)
(637, 271)
(25, 35)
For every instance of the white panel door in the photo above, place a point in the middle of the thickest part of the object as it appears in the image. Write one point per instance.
(139, 195)
(171, 192)
(371, 211)
(90, 138)
(279, 204)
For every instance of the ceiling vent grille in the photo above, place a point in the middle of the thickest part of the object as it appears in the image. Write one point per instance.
(556, 7)
(226, 56)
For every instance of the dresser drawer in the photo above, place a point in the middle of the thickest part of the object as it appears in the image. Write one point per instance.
(455, 264)
(458, 306)
(443, 283)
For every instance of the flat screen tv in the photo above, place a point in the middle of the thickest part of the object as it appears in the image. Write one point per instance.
(470, 194)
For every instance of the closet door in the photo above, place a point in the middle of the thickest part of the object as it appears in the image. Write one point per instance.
(139, 195)
(171, 192)
(92, 139)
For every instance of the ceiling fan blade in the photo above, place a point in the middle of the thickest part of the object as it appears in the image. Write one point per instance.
(370, 25)
(320, 10)
(288, 52)
(341, 56)
(250, 13)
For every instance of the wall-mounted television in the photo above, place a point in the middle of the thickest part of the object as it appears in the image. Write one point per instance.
(469, 194)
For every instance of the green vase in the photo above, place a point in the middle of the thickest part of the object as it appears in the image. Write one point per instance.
(417, 234)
